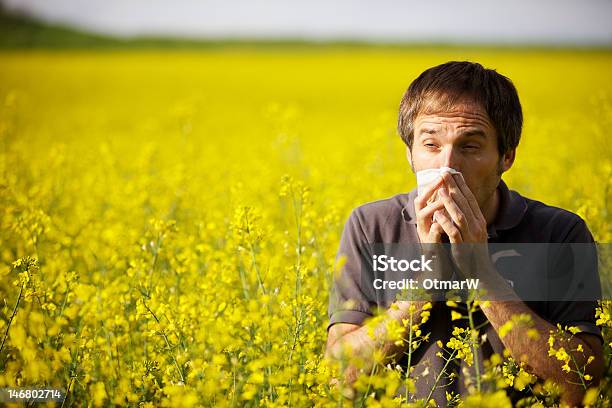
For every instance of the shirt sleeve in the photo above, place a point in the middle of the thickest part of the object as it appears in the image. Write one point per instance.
(579, 313)
(351, 299)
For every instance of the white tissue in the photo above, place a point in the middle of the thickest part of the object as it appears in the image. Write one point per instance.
(426, 177)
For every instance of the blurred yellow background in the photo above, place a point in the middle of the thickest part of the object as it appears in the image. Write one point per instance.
(185, 207)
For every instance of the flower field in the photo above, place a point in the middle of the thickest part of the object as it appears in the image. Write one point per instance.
(169, 220)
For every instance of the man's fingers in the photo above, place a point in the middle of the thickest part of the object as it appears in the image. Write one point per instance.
(425, 216)
(435, 233)
(469, 196)
(458, 195)
(421, 200)
(424, 211)
(454, 235)
(456, 213)
(428, 211)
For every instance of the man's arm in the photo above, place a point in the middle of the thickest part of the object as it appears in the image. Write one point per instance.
(358, 339)
(533, 351)
(355, 346)
(466, 224)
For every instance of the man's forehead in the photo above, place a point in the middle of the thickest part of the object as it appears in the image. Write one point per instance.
(464, 115)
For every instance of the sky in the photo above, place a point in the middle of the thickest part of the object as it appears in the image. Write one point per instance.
(460, 21)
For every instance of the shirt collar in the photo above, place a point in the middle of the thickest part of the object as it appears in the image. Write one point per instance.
(512, 208)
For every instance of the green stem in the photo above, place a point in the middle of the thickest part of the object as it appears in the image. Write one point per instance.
(450, 358)
(256, 267)
(409, 353)
(474, 347)
(365, 397)
(8, 326)
(580, 374)
(297, 310)
(167, 344)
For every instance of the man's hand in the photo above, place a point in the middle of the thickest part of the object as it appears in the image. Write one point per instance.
(462, 220)
(430, 232)
(465, 226)
(354, 345)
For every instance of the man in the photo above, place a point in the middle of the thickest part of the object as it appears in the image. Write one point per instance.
(465, 117)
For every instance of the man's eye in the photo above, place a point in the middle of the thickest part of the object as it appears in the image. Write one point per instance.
(430, 145)
(471, 147)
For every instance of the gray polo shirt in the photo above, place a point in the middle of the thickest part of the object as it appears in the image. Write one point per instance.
(393, 220)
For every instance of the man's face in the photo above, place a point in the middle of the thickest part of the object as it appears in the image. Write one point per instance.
(464, 139)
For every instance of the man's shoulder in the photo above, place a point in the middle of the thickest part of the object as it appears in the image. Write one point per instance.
(560, 223)
(383, 218)
(538, 210)
(381, 209)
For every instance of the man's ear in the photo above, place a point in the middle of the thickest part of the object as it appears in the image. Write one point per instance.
(508, 160)
(409, 157)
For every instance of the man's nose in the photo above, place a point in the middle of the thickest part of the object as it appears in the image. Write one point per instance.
(450, 158)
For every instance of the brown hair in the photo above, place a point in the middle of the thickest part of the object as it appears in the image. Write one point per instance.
(440, 88)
